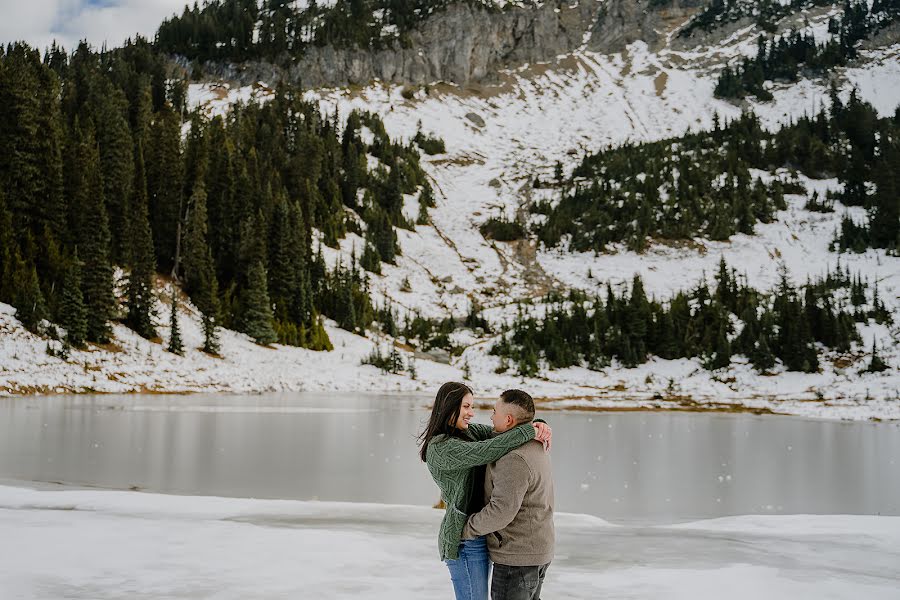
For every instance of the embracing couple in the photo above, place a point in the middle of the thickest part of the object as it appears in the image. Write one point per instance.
(497, 486)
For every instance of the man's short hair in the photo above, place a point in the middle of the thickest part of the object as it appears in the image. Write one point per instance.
(523, 402)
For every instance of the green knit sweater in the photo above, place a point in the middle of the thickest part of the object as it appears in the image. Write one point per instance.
(451, 460)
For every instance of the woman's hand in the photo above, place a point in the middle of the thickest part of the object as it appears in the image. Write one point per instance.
(543, 434)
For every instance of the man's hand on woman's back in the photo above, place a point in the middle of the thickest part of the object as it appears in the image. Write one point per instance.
(543, 434)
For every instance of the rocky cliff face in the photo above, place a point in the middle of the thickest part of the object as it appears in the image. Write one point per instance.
(466, 43)
(622, 22)
(460, 44)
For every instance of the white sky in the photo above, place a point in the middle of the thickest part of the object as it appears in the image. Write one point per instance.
(38, 22)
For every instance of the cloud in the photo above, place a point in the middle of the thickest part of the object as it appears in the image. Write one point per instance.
(39, 22)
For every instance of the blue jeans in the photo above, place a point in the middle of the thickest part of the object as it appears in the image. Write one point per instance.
(469, 573)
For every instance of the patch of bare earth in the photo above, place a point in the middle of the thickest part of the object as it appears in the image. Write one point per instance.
(659, 404)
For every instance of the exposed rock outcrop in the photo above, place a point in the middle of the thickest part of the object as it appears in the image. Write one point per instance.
(466, 43)
(622, 22)
(460, 44)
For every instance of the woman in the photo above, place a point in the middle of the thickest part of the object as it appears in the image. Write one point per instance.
(456, 452)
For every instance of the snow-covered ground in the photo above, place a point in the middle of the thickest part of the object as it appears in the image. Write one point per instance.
(60, 543)
(497, 139)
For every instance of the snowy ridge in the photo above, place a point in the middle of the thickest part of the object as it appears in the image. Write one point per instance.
(497, 139)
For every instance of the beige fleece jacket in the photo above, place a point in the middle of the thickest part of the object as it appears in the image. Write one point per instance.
(518, 516)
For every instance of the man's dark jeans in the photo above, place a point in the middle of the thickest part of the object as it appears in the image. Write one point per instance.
(517, 583)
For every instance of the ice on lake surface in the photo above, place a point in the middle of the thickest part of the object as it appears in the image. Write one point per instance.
(88, 544)
(624, 467)
(658, 479)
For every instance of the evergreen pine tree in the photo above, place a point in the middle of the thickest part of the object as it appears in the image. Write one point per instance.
(31, 308)
(794, 339)
(726, 289)
(667, 344)
(72, 313)
(283, 260)
(634, 328)
(20, 174)
(746, 339)
(196, 154)
(396, 361)
(422, 218)
(352, 175)
(93, 239)
(199, 270)
(761, 357)
(210, 335)
(370, 260)
(8, 249)
(721, 351)
(165, 174)
(318, 338)
(141, 111)
(884, 224)
(392, 201)
(381, 234)
(116, 164)
(30, 173)
(256, 318)
(175, 344)
(426, 197)
(345, 299)
(50, 164)
(139, 293)
(220, 187)
(301, 303)
(876, 364)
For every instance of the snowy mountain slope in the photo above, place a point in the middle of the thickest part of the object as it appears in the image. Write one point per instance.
(586, 101)
(498, 138)
(596, 101)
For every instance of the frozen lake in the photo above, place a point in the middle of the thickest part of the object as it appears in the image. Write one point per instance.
(91, 545)
(633, 468)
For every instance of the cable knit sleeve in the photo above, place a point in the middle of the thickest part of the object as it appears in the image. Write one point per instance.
(453, 454)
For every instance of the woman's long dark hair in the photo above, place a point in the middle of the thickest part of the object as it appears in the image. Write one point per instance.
(445, 413)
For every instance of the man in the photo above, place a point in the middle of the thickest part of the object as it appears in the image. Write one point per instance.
(518, 516)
